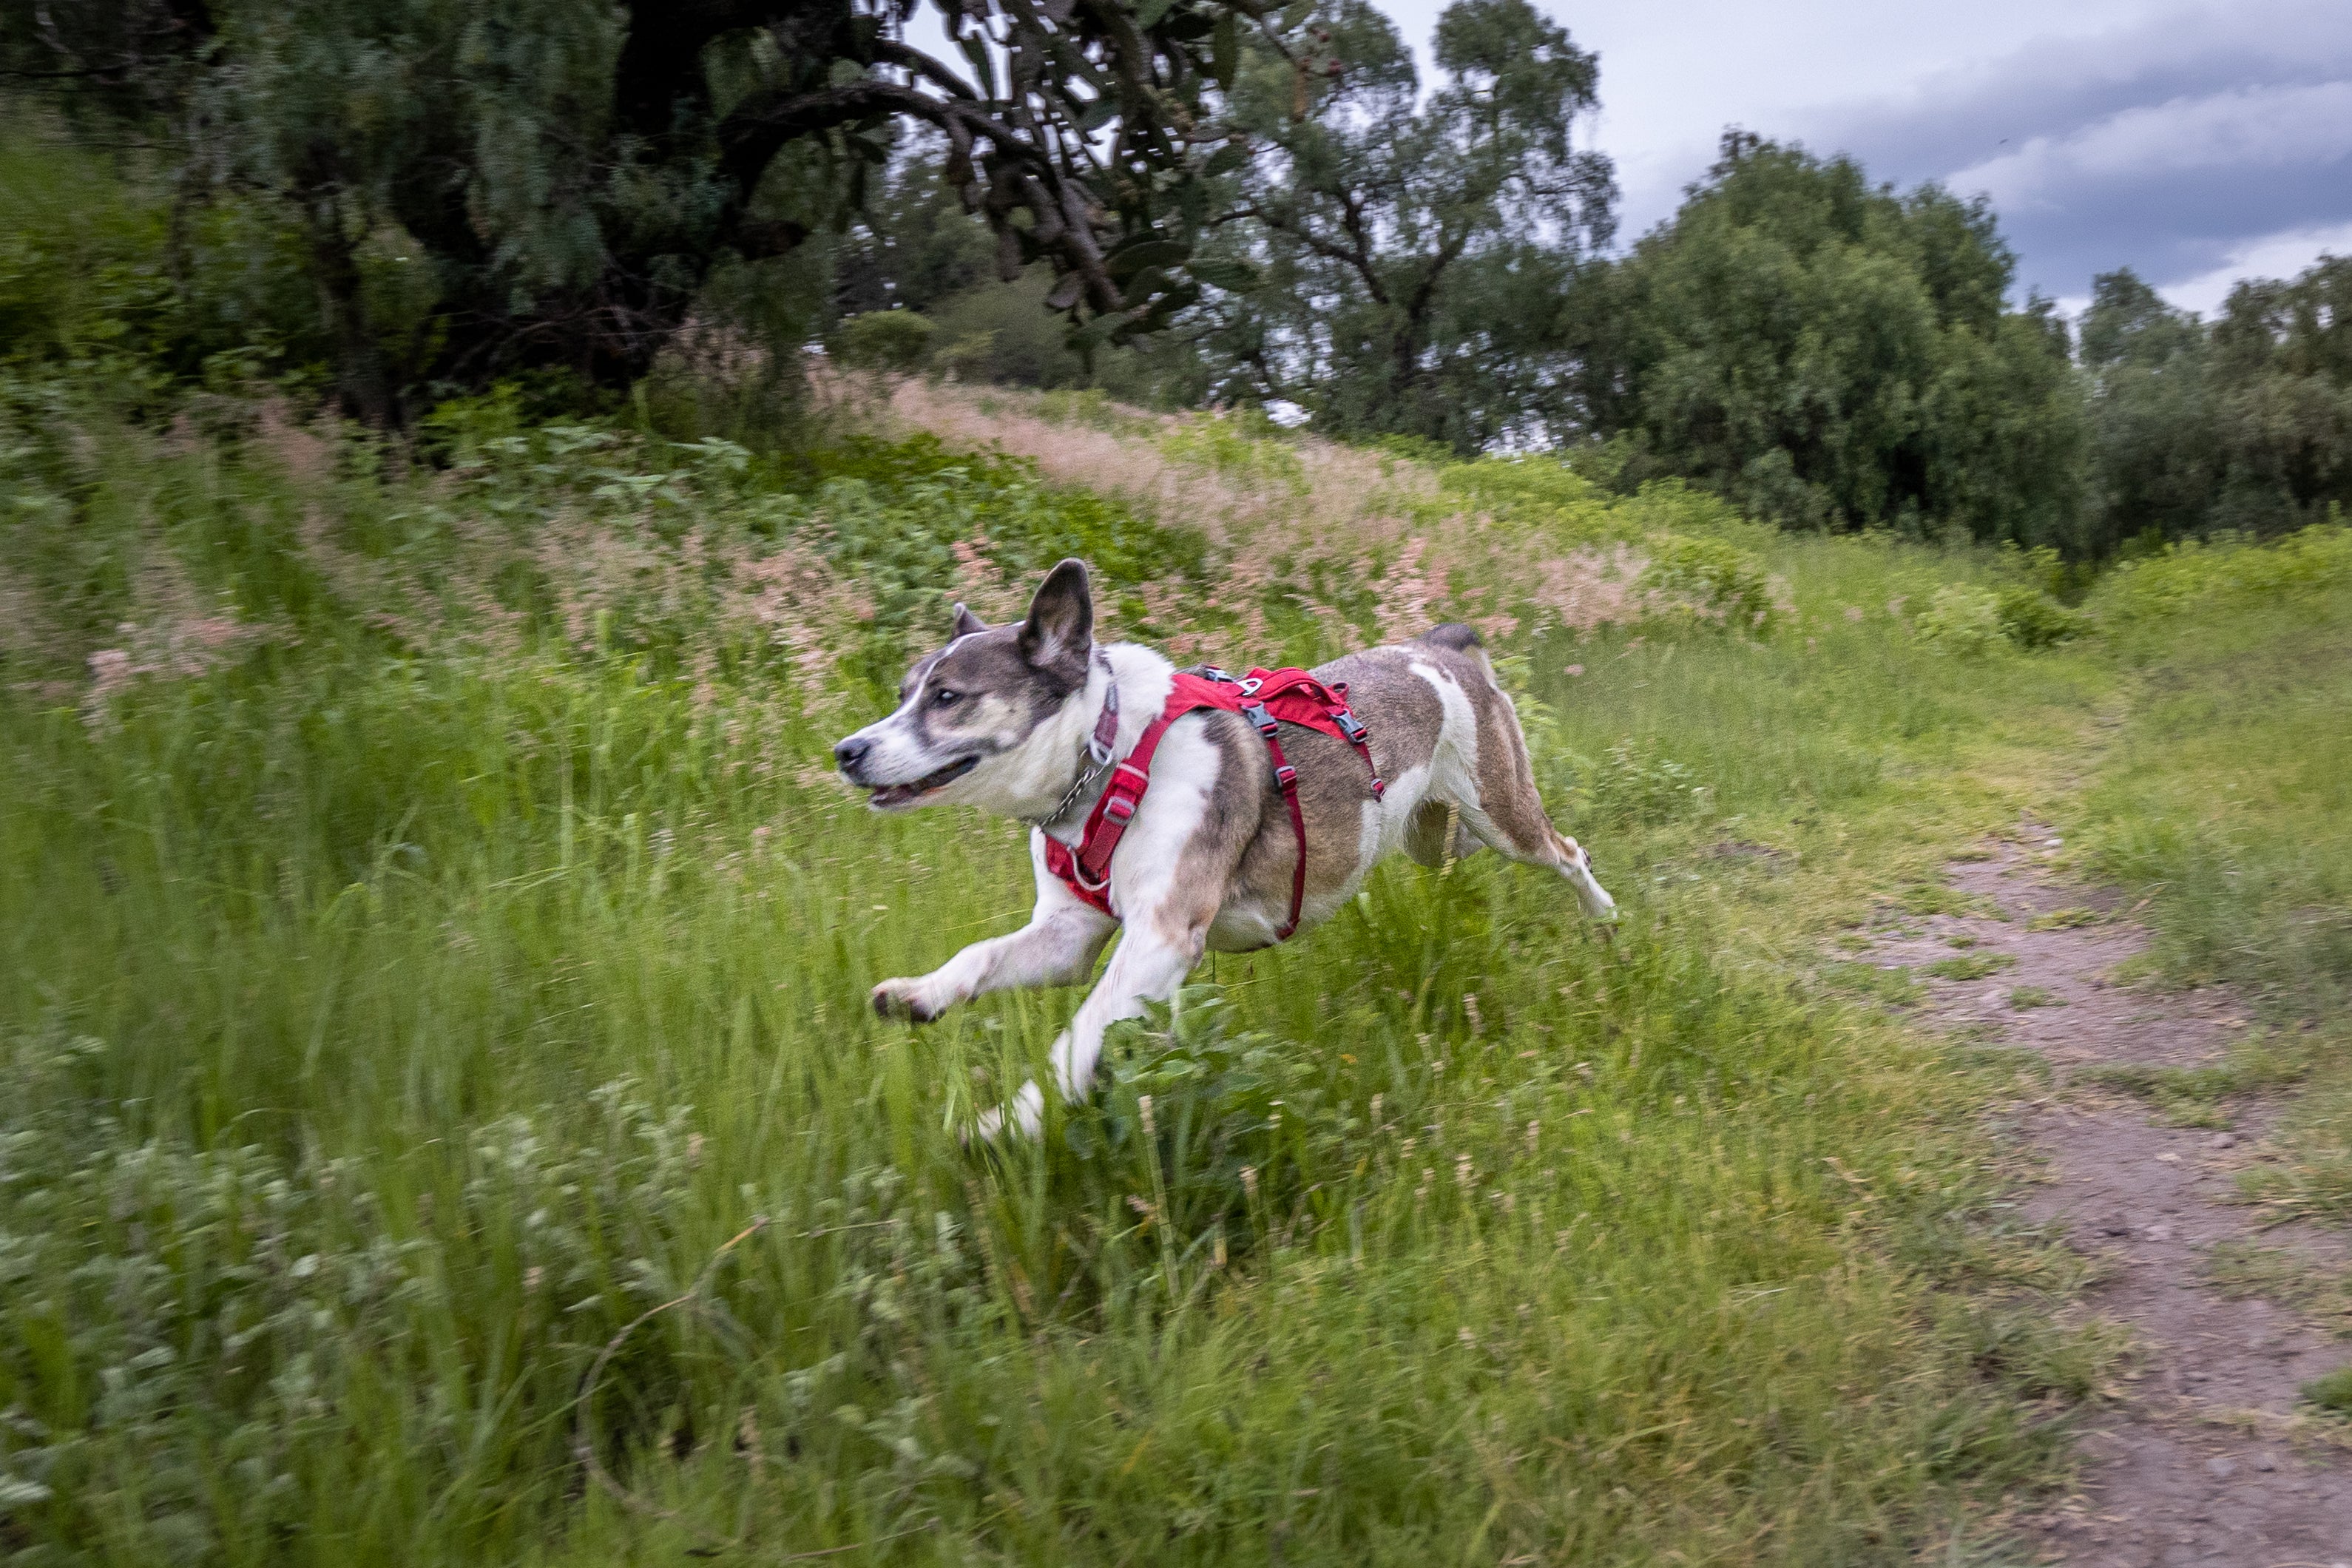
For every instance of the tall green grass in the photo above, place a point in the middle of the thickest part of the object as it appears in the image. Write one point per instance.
(2224, 802)
(397, 1012)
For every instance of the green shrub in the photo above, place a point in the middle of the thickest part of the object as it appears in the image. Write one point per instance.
(887, 340)
(2032, 619)
(1717, 580)
(1963, 620)
(1637, 785)
(2226, 566)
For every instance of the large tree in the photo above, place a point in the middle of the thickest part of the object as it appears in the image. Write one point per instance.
(2156, 457)
(571, 173)
(1831, 352)
(1413, 259)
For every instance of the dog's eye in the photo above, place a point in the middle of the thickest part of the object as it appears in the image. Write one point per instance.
(943, 698)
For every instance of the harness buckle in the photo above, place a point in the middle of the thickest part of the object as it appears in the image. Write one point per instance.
(1249, 687)
(1379, 789)
(1119, 808)
(1257, 715)
(1350, 726)
(1287, 777)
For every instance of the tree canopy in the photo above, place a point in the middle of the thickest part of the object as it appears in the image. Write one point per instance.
(565, 179)
(1831, 352)
(2245, 423)
(1416, 256)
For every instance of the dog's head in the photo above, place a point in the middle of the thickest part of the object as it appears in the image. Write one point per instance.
(967, 715)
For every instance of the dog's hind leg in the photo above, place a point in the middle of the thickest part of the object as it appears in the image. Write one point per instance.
(1494, 785)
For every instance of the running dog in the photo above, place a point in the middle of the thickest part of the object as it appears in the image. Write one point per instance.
(1027, 720)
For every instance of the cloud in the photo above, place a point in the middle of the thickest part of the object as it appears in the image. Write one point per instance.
(2180, 145)
(2281, 255)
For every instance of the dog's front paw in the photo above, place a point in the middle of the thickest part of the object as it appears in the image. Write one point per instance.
(904, 998)
(1026, 1114)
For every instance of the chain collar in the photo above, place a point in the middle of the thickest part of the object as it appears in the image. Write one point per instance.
(1100, 755)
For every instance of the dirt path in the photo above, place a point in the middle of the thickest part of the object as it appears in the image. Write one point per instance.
(2194, 1465)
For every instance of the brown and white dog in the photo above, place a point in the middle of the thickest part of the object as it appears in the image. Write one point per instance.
(1002, 716)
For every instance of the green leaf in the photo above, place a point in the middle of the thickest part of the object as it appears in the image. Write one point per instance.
(1225, 51)
(1148, 15)
(1130, 259)
(1234, 276)
(1147, 283)
(1227, 158)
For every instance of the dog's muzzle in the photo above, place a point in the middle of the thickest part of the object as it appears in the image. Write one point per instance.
(851, 755)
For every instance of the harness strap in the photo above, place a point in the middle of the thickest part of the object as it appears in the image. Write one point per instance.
(1266, 699)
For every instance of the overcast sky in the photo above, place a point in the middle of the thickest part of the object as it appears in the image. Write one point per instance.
(2196, 144)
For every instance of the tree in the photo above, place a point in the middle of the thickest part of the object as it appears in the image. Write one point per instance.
(1410, 261)
(570, 176)
(1830, 354)
(2155, 461)
(2282, 398)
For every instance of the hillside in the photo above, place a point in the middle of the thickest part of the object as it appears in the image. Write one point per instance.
(445, 1121)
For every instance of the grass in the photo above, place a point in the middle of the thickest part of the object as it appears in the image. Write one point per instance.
(2195, 1097)
(2221, 807)
(1972, 967)
(442, 961)
(2333, 1392)
(2320, 1289)
(2024, 996)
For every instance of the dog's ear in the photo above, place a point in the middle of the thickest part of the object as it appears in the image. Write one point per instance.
(1061, 624)
(966, 623)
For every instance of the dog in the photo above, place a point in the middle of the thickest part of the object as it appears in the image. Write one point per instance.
(1002, 717)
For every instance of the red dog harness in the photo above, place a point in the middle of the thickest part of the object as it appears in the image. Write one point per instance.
(1266, 698)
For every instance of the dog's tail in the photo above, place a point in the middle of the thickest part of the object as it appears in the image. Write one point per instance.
(1455, 636)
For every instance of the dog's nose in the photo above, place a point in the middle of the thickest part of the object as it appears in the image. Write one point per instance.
(851, 753)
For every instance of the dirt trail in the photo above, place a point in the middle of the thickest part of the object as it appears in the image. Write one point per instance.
(2192, 1467)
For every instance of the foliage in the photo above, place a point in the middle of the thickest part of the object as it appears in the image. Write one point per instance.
(1718, 580)
(2225, 571)
(566, 184)
(2244, 424)
(887, 340)
(1399, 262)
(2031, 618)
(1962, 619)
(1637, 784)
(1831, 354)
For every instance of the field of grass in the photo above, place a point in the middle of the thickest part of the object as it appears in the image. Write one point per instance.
(434, 943)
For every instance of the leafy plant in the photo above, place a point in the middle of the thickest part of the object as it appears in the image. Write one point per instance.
(2031, 619)
(887, 340)
(1962, 620)
(1715, 579)
(1637, 784)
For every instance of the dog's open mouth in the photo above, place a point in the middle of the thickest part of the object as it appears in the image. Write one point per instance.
(888, 797)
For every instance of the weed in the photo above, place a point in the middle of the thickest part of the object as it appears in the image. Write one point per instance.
(2291, 1278)
(2191, 1097)
(2074, 919)
(2332, 1392)
(1887, 982)
(1972, 966)
(2024, 996)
